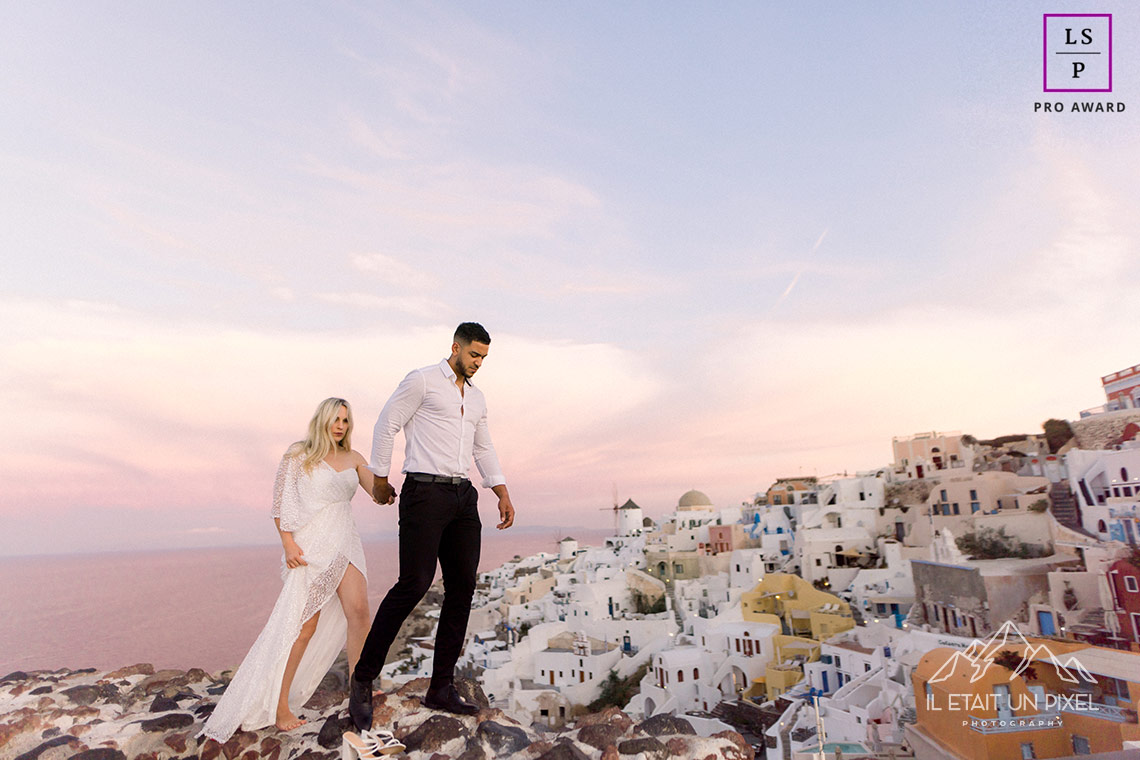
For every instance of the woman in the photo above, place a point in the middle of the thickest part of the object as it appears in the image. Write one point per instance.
(324, 595)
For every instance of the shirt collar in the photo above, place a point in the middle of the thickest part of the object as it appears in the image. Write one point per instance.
(449, 373)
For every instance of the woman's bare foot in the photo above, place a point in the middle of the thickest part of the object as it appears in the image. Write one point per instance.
(287, 721)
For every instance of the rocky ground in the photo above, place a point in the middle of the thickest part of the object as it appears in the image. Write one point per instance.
(136, 712)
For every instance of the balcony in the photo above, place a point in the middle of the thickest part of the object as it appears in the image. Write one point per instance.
(1103, 712)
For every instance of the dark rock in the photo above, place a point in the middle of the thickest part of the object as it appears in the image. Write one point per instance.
(652, 747)
(664, 724)
(564, 751)
(413, 688)
(433, 733)
(744, 750)
(238, 743)
(34, 753)
(473, 751)
(219, 689)
(41, 690)
(196, 675)
(503, 740)
(334, 680)
(49, 733)
(332, 731)
(312, 754)
(600, 735)
(83, 695)
(210, 750)
(142, 669)
(100, 753)
(163, 704)
(176, 742)
(612, 715)
(678, 747)
(15, 675)
(324, 700)
(203, 711)
(472, 692)
(162, 680)
(270, 748)
(170, 722)
(81, 671)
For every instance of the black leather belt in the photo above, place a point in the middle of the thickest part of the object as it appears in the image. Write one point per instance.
(424, 477)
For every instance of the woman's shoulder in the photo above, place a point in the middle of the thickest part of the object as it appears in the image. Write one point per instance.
(357, 458)
(295, 451)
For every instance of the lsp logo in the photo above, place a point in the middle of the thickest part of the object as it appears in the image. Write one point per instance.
(1078, 52)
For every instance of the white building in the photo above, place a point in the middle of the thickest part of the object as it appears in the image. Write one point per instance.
(1106, 485)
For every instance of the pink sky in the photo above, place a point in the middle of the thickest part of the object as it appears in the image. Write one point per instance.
(697, 273)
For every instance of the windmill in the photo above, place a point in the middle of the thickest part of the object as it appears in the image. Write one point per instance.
(613, 509)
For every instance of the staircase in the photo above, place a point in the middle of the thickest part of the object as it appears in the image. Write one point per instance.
(908, 715)
(677, 615)
(1064, 507)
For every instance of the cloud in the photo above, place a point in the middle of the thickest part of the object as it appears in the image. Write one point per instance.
(392, 270)
(423, 308)
(164, 416)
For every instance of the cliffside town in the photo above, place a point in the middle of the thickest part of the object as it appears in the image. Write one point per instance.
(971, 599)
(818, 611)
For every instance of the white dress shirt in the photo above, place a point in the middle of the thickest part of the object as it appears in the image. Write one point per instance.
(443, 428)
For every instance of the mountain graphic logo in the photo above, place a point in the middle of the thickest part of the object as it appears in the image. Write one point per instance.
(979, 656)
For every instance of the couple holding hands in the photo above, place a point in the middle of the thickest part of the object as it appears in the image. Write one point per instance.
(323, 603)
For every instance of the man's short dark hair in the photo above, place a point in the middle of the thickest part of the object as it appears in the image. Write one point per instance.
(472, 332)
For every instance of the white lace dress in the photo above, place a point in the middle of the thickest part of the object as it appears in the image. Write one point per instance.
(315, 507)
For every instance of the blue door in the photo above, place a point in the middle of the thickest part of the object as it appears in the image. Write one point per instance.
(1045, 623)
(825, 689)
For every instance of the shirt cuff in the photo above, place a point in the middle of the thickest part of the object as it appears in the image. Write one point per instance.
(494, 480)
(377, 471)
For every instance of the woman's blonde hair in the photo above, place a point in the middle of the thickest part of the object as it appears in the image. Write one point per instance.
(319, 442)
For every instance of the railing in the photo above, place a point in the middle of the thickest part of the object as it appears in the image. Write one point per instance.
(1038, 722)
(1102, 711)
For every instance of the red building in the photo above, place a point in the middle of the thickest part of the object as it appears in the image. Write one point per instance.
(1124, 579)
(1122, 389)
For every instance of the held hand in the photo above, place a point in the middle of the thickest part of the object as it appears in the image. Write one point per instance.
(506, 512)
(382, 493)
(293, 555)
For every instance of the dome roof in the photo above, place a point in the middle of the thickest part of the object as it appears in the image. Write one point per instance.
(693, 500)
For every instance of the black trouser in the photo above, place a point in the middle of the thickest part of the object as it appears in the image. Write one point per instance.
(438, 521)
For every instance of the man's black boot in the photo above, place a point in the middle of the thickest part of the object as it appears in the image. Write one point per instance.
(360, 703)
(445, 697)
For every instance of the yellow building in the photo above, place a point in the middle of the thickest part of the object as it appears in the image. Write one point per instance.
(806, 613)
(804, 609)
(791, 491)
(1069, 699)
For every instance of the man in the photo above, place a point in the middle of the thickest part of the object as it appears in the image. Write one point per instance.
(444, 419)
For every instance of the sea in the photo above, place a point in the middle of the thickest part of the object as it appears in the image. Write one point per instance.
(180, 609)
